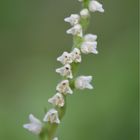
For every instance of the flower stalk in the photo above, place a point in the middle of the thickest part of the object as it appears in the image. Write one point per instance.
(82, 43)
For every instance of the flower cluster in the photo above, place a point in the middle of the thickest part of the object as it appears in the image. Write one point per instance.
(86, 45)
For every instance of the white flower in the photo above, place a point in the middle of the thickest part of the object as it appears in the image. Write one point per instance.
(89, 47)
(57, 100)
(75, 30)
(90, 37)
(65, 71)
(52, 116)
(73, 19)
(95, 6)
(35, 125)
(65, 58)
(84, 13)
(83, 82)
(63, 87)
(76, 55)
(80, 0)
(55, 138)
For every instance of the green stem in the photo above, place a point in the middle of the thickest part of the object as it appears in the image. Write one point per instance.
(85, 3)
(43, 137)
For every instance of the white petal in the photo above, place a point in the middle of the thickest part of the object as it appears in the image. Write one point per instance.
(65, 71)
(69, 91)
(90, 38)
(73, 19)
(59, 70)
(94, 51)
(57, 100)
(52, 116)
(87, 78)
(55, 138)
(76, 55)
(65, 58)
(75, 30)
(89, 86)
(84, 13)
(35, 125)
(83, 82)
(95, 6)
(89, 47)
(63, 87)
(33, 119)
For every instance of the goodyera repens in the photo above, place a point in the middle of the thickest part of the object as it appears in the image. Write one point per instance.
(82, 44)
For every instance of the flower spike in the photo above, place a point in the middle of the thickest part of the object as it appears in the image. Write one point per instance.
(82, 43)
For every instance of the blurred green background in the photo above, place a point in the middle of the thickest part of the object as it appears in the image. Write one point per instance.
(32, 36)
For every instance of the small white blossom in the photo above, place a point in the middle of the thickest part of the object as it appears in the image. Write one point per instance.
(83, 82)
(52, 116)
(57, 100)
(35, 125)
(95, 6)
(55, 138)
(76, 30)
(76, 55)
(65, 58)
(90, 38)
(89, 47)
(84, 13)
(73, 19)
(65, 71)
(63, 87)
(80, 0)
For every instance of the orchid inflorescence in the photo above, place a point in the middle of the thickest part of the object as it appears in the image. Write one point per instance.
(82, 44)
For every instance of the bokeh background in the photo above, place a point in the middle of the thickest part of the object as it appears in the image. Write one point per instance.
(32, 36)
